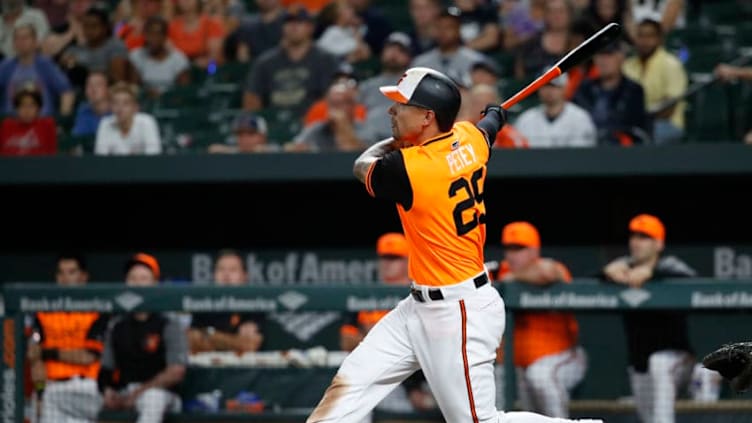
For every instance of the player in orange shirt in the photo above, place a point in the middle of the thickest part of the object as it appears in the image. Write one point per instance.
(450, 325)
(547, 357)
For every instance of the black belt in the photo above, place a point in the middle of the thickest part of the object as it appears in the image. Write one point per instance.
(435, 293)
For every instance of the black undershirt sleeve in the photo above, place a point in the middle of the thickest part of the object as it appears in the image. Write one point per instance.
(389, 180)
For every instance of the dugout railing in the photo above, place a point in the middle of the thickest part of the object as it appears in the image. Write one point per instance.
(718, 312)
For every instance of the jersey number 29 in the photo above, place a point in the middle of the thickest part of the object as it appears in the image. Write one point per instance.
(475, 196)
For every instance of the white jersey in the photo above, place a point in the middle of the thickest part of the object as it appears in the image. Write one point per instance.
(142, 138)
(572, 128)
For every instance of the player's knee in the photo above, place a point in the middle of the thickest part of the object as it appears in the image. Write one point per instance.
(660, 362)
(539, 377)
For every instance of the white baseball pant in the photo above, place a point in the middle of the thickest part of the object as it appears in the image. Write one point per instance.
(655, 390)
(453, 340)
(545, 385)
(72, 401)
(153, 403)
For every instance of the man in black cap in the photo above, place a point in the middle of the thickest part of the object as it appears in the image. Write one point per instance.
(615, 102)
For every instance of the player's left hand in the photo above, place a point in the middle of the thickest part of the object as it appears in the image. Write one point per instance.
(495, 108)
(734, 363)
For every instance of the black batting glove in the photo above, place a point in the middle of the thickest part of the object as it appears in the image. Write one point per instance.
(495, 108)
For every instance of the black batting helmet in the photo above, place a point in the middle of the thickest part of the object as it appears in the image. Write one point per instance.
(429, 89)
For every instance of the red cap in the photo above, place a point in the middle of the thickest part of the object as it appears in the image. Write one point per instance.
(649, 225)
(146, 260)
(520, 233)
(392, 244)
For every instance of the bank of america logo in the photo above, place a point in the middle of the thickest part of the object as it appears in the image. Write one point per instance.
(292, 300)
(635, 297)
(129, 300)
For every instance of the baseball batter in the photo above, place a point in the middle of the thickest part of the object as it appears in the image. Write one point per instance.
(452, 323)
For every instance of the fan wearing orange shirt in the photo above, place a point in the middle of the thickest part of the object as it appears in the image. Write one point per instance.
(548, 360)
(198, 35)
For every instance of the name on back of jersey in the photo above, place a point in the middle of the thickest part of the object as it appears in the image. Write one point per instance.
(460, 158)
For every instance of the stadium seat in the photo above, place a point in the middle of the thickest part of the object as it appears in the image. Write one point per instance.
(282, 126)
(707, 115)
(70, 144)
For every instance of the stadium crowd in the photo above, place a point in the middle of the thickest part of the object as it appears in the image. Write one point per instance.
(225, 76)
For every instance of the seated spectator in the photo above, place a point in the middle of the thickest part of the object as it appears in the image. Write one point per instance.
(670, 14)
(101, 51)
(16, 13)
(69, 34)
(256, 33)
(556, 122)
(249, 135)
(483, 94)
(96, 106)
(158, 65)
(31, 69)
(424, 15)
(145, 354)
(290, 77)
(26, 133)
(376, 25)
(227, 12)
(127, 131)
(662, 77)
(603, 12)
(395, 58)
(319, 111)
(341, 32)
(550, 44)
(238, 332)
(132, 30)
(449, 56)
(68, 346)
(484, 72)
(340, 132)
(729, 73)
(196, 34)
(520, 21)
(615, 103)
(479, 28)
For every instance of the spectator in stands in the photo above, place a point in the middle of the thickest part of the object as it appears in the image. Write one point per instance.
(69, 34)
(615, 103)
(145, 354)
(484, 71)
(424, 15)
(729, 73)
(249, 135)
(101, 51)
(481, 95)
(659, 353)
(670, 14)
(556, 122)
(238, 332)
(257, 33)
(479, 29)
(127, 131)
(197, 35)
(131, 31)
(520, 21)
(56, 12)
(376, 25)
(96, 106)
(16, 13)
(550, 44)
(313, 7)
(395, 58)
(31, 69)
(341, 33)
(26, 133)
(227, 12)
(603, 12)
(662, 77)
(319, 111)
(548, 359)
(449, 56)
(340, 132)
(413, 394)
(68, 346)
(290, 77)
(158, 65)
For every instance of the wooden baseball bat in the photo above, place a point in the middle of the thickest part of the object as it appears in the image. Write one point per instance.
(579, 54)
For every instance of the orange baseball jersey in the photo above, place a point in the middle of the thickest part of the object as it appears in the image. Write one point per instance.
(538, 334)
(71, 330)
(438, 188)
